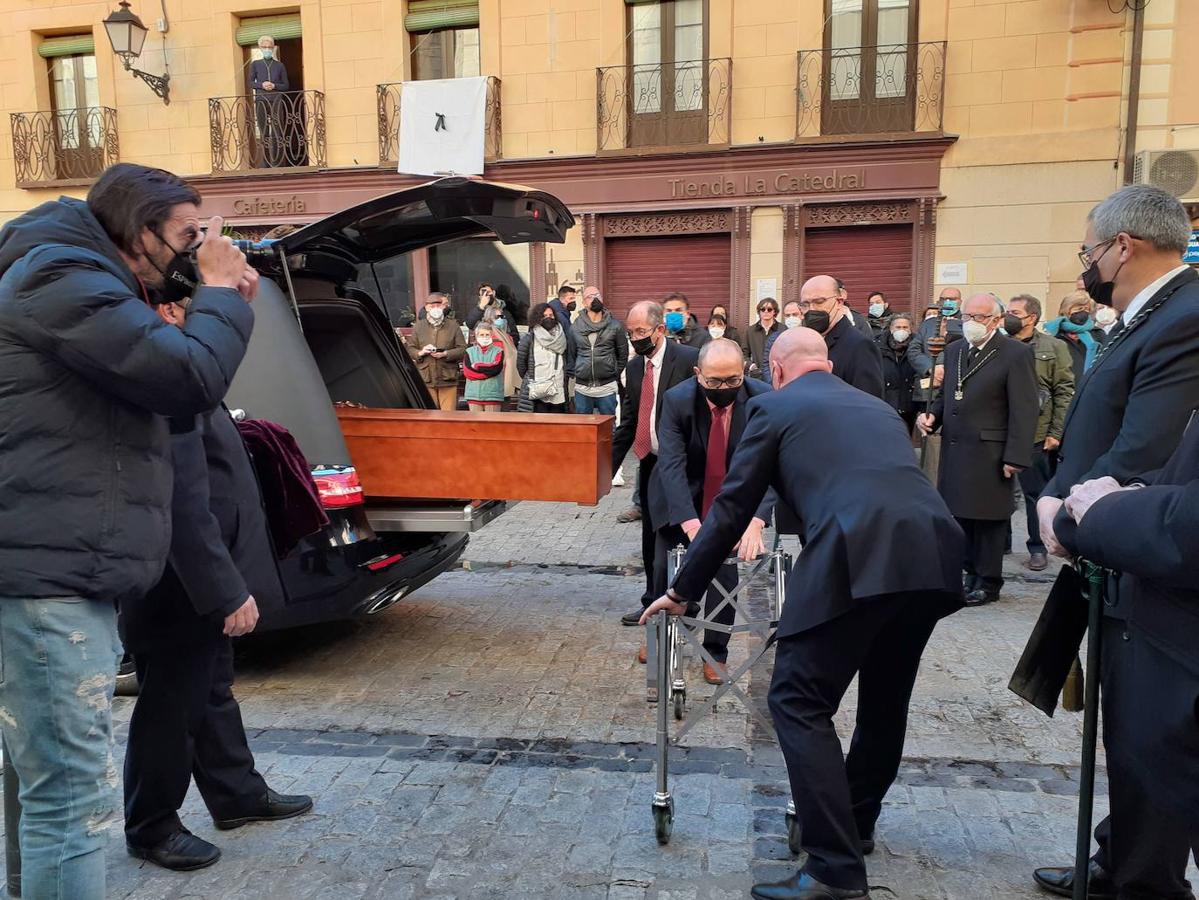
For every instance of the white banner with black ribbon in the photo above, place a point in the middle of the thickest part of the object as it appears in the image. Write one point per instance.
(442, 125)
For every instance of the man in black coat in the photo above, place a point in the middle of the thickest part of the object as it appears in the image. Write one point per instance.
(1129, 411)
(275, 117)
(701, 416)
(930, 367)
(186, 722)
(668, 363)
(987, 411)
(855, 357)
(881, 564)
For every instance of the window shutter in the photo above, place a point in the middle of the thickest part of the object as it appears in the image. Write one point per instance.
(866, 258)
(427, 15)
(279, 27)
(648, 268)
(67, 45)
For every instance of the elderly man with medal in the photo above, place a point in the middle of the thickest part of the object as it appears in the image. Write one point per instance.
(986, 409)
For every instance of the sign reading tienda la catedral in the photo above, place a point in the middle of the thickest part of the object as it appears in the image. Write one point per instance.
(833, 179)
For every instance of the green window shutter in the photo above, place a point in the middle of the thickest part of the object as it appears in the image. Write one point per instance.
(426, 15)
(68, 45)
(279, 27)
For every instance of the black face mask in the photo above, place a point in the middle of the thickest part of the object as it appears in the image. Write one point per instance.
(1013, 325)
(1100, 290)
(816, 319)
(180, 278)
(549, 324)
(1081, 317)
(596, 305)
(571, 306)
(644, 346)
(721, 397)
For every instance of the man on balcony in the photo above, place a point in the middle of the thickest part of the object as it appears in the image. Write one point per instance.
(268, 80)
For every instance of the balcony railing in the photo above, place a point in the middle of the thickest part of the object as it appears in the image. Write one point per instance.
(666, 105)
(284, 130)
(897, 88)
(72, 145)
(388, 100)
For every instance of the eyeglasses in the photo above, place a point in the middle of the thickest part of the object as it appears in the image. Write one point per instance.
(978, 317)
(805, 305)
(1085, 255)
(638, 333)
(733, 381)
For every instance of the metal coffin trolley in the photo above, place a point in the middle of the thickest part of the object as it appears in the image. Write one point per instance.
(666, 640)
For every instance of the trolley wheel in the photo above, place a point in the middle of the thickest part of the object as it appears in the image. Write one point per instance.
(664, 821)
(680, 704)
(793, 834)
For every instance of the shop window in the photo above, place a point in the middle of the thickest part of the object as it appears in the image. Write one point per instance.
(459, 268)
(869, 66)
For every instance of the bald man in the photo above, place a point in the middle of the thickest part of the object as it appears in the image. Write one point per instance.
(881, 564)
(702, 422)
(856, 358)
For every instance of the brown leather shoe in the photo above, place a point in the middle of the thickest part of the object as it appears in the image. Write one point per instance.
(1037, 562)
(632, 514)
(714, 675)
(642, 654)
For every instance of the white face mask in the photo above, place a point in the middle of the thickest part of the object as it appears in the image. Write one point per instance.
(793, 321)
(899, 335)
(876, 309)
(483, 340)
(1105, 316)
(974, 332)
(434, 314)
(716, 332)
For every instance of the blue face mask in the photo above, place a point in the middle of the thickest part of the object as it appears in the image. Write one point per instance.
(949, 307)
(501, 323)
(268, 54)
(675, 321)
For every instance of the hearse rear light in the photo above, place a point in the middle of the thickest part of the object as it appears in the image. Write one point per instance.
(338, 486)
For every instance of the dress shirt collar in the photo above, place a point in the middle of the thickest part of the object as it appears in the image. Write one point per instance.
(984, 343)
(1139, 301)
(657, 356)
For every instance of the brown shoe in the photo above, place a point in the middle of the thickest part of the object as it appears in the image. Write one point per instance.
(642, 654)
(714, 675)
(632, 514)
(1037, 561)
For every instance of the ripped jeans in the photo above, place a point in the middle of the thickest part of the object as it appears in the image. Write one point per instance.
(58, 662)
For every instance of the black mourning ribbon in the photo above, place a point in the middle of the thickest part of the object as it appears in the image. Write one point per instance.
(439, 125)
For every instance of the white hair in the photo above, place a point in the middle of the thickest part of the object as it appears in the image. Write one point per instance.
(1145, 212)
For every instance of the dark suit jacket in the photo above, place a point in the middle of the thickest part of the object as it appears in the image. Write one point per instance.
(678, 364)
(856, 358)
(873, 525)
(1131, 406)
(676, 489)
(268, 70)
(994, 424)
(221, 550)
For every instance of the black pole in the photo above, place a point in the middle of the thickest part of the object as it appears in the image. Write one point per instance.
(1090, 728)
(12, 826)
(928, 406)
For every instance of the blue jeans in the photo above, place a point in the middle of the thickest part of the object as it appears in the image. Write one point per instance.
(58, 663)
(605, 406)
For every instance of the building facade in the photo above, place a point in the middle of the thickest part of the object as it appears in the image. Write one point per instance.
(727, 148)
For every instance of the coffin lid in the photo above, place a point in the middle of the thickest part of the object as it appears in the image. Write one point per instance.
(432, 213)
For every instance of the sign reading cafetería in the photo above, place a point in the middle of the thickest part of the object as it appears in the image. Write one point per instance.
(268, 206)
(832, 179)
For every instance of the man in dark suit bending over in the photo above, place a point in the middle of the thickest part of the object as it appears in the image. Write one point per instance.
(881, 564)
(702, 422)
(664, 364)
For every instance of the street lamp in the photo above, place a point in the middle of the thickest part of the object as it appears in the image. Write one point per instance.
(127, 35)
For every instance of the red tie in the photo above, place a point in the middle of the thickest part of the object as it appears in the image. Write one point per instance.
(643, 444)
(715, 465)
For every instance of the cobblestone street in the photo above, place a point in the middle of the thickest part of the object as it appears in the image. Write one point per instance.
(490, 737)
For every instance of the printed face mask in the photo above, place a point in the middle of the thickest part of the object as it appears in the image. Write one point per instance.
(181, 277)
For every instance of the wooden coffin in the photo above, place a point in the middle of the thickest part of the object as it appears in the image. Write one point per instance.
(427, 454)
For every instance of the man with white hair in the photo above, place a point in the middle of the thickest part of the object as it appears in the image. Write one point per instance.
(987, 409)
(268, 80)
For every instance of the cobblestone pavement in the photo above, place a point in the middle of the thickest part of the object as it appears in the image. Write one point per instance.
(490, 737)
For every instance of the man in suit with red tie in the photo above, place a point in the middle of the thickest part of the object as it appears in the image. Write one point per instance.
(702, 421)
(665, 363)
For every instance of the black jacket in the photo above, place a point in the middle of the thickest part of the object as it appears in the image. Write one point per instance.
(1131, 406)
(602, 349)
(562, 314)
(856, 358)
(678, 364)
(753, 345)
(475, 315)
(221, 551)
(1078, 350)
(271, 70)
(898, 375)
(991, 425)
(87, 374)
(676, 489)
(843, 461)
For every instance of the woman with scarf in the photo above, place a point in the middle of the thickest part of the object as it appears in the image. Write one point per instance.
(543, 359)
(898, 375)
(1076, 326)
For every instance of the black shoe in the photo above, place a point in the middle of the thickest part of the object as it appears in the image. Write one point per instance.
(181, 852)
(1038, 561)
(802, 886)
(633, 618)
(1060, 881)
(867, 844)
(271, 808)
(980, 597)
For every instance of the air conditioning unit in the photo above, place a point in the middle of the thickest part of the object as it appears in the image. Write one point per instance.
(1174, 171)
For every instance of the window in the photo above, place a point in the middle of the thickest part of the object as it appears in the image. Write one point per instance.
(74, 99)
(869, 66)
(444, 38)
(668, 83)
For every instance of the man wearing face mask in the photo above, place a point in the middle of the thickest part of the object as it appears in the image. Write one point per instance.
(268, 82)
(856, 359)
(702, 422)
(88, 375)
(879, 313)
(898, 374)
(437, 345)
(1129, 412)
(792, 318)
(659, 365)
(603, 352)
(681, 326)
(946, 325)
(987, 411)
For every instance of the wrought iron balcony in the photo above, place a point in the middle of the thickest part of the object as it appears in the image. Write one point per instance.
(388, 101)
(72, 145)
(891, 89)
(665, 105)
(284, 130)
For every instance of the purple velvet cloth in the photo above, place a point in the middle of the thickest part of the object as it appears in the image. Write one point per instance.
(293, 505)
